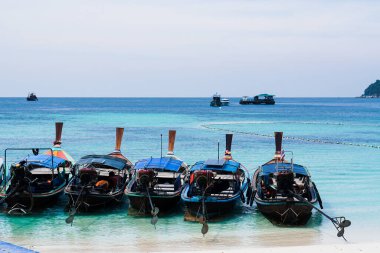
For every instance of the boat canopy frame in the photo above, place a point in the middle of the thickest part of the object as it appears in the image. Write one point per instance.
(34, 150)
(272, 168)
(106, 160)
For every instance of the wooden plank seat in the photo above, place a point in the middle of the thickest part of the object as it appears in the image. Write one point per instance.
(225, 177)
(47, 171)
(164, 193)
(169, 175)
(229, 177)
(164, 189)
(227, 193)
(221, 195)
(164, 186)
(105, 172)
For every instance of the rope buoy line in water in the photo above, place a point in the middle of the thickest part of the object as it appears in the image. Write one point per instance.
(212, 127)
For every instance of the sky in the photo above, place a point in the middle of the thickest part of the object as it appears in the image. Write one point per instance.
(189, 48)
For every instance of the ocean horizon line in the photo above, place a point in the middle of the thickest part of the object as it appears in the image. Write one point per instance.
(173, 97)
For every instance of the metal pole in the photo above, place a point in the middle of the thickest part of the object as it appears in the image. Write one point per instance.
(218, 150)
(161, 145)
(5, 168)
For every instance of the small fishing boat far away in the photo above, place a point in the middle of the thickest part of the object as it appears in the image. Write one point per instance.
(225, 101)
(31, 97)
(214, 187)
(157, 182)
(262, 99)
(98, 180)
(285, 193)
(36, 180)
(217, 101)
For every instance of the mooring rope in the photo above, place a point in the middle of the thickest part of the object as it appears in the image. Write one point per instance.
(213, 127)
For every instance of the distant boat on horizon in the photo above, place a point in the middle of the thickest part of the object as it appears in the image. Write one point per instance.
(217, 101)
(31, 97)
(265, 99)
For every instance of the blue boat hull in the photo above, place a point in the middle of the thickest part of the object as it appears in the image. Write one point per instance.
(214, 206)
(141, 203)
(214, 209)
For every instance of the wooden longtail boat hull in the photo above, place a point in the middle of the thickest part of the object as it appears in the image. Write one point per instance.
(93, 200)
(214, 206)
(140, 202)
(214, 209)
(35, 199)
(283, 212)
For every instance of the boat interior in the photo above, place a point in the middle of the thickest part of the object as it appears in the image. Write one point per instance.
(159, 182)
(39, 179)
(275, 186)
(216, 184)
(98, 178)
(168, 183)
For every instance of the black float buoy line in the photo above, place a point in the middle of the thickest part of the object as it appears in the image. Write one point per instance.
(212, 127)
(340, 223)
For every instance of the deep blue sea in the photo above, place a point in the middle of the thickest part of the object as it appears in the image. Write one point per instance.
(338, 139)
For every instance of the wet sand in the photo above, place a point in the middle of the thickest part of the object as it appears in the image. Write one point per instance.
(347, 248)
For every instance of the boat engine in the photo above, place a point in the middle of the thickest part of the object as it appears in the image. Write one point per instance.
(145, 177)
(18, 172)
(20, 175)
(285, 180)
(203, 178)
(88, 175)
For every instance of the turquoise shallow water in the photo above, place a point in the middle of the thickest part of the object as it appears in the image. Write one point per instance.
(337, 139)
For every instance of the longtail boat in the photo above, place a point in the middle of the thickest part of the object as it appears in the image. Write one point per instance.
(285, 193)
(214, 187)
(98, 180)
(157, 182)
(36, 180)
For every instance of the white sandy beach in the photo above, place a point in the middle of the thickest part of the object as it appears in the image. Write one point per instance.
(346, 248)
